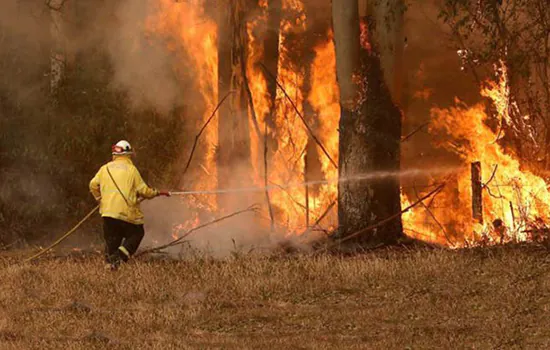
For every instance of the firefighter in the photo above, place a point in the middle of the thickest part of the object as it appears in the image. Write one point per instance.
(119, 188)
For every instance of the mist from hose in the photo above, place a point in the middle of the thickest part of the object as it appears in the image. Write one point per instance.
(375, 175)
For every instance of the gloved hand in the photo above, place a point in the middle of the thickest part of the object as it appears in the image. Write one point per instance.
(164, 193)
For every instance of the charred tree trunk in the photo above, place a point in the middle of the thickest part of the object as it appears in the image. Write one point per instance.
(233, 156)
(370, 131)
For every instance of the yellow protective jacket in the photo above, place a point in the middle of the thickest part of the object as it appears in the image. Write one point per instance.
(130, 183)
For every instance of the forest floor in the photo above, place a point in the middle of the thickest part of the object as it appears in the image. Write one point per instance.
(391, 299)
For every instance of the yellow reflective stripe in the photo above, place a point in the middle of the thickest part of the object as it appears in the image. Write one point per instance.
(124, 250)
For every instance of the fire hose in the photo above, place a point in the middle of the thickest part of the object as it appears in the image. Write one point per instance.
(62, 238)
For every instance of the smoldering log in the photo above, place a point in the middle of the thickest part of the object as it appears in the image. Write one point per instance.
(477, 204)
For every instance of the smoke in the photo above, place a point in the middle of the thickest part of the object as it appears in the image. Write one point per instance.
(142, 64)
(23, 51)
(429, 68)
(244, 233)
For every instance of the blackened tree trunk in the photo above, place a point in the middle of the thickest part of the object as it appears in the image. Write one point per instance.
(233, 156)
(370, 131)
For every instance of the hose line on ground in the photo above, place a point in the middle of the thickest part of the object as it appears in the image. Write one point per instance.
(65, 236)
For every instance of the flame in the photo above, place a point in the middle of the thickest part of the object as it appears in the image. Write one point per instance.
(291, 137)
(258, 87)
(190, 224)
(513, 198)
(192, 37)
(325, 100)
(287, 163)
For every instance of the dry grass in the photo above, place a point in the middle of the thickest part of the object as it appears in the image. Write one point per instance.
(490, 298)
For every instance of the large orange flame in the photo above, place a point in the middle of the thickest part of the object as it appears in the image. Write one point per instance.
(513, 198)
(287, 164)
(192, 37)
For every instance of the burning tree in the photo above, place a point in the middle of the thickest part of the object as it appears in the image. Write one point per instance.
(370, 122)
(279, 127)
(233, 153)
(511, 35)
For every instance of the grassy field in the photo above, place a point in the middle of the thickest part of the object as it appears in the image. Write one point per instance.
(495, 298)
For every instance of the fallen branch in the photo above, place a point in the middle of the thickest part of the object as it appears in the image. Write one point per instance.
(197, 137)
(299, 115)
(186, 234)
(385, 221)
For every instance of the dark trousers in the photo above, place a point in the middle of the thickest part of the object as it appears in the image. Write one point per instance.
(121, 237)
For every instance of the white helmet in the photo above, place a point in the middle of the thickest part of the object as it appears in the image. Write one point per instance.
(122, 147)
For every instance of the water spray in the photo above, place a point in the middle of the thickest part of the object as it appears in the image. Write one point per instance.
(374, 175)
